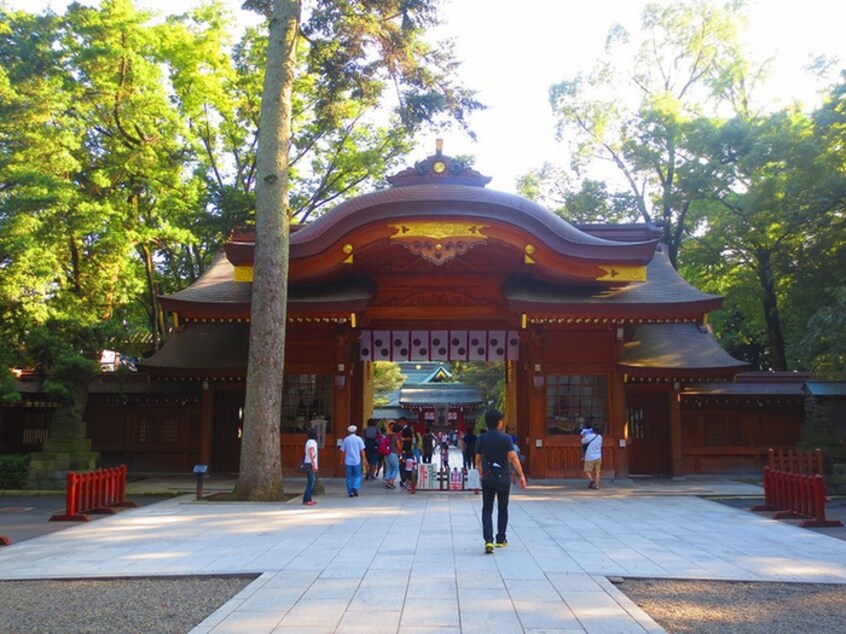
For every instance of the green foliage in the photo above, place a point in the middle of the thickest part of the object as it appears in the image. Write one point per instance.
(689, 58)
(14, 470)
(823, 348)
(487, 376)
(387, 378)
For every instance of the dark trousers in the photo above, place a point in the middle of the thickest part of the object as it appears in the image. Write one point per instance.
(469, 459)
(310, 481)
(499, 491)
(427, 457)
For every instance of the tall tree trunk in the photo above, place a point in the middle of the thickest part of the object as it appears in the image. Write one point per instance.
(261, 462)
(157, 326)
(772, 317)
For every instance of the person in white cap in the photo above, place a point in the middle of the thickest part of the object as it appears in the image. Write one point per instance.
(353, 449)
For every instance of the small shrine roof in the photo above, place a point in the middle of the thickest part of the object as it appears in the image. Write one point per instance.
(826, 389)
(439, 394)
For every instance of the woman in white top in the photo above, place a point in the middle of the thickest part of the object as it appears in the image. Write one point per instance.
(311, 474)
(592, 445)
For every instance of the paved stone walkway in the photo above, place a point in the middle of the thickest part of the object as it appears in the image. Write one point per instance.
(392, 562)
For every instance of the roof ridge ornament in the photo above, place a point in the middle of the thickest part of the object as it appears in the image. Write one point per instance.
(439, 169)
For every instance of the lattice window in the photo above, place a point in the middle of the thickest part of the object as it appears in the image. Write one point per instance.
(165, 431)
(724, 433)
(573, 400)
(306, 397)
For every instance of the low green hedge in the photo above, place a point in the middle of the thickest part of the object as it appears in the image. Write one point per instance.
(13, 471)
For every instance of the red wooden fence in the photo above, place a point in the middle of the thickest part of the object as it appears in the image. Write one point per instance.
(794, 486)
(100, 491)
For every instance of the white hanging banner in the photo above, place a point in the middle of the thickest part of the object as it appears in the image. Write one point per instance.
(366, 345)
(512, 350)
(381, 345)
(420, 345)
(439, 345)
(457, 345)
(477, 345)
(496, 345)
(399, 340)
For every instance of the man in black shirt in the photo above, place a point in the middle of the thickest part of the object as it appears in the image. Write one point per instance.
(494, 453)
(469, 447)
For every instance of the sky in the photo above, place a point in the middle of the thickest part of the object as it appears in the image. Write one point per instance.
(512, 52)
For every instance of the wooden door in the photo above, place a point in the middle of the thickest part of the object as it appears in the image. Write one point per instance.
(226, 435)
(647, 418)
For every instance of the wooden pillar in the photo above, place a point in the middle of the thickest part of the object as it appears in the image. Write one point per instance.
(206, 424)
(675, 439)
(617, 431)
(534, 396)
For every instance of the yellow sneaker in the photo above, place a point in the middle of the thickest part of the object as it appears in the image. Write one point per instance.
(489, 548)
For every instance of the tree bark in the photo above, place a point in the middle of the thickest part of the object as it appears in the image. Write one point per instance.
(260, 477)
(772, 316)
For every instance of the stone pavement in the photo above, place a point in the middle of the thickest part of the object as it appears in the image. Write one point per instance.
(393, 562)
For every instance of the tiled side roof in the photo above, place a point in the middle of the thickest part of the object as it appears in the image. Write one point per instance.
(218, 348)
(685, 348)
(664, 288)
(216, 285)
(217, 288)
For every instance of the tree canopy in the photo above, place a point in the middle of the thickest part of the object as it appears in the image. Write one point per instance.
(750, 201)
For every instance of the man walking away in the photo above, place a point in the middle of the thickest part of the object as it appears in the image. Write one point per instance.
(468, 448)
(353, 449)
(494, 454)
(428, 446)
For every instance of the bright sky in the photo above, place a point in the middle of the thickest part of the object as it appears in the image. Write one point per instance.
(513, 51)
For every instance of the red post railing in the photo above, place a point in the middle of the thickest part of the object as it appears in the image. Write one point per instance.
(793, 489)
(100, 491)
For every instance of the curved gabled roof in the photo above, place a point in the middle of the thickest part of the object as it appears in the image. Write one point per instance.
(472, 203)
(438, 211)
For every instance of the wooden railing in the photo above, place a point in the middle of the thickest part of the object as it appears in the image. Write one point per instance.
(794, 486)
(100, 491)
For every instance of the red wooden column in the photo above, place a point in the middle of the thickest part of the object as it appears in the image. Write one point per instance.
(206, 424)
(675, 440)
(615, 435)
(528, 368)
(348, 383)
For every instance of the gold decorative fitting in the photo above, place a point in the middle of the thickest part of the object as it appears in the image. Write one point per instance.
(243, 274)
(622, 273)
(439, 230)
(348, 251)
(438, 242)
(528, 252)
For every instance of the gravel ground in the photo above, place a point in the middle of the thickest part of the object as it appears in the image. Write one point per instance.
(166, 605)
(742, 607)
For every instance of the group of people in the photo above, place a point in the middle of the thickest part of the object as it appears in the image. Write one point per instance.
(391, 451)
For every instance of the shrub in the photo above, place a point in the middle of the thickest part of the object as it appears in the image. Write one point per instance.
(13, 471)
